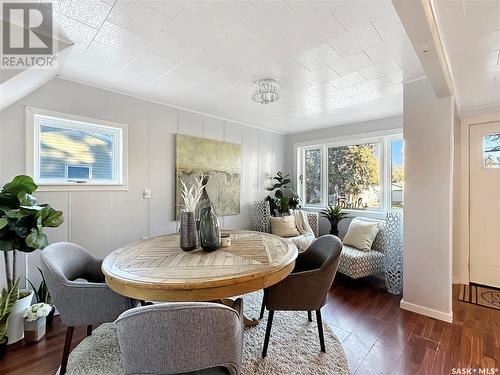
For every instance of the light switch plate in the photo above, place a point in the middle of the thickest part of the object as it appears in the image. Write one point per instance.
(146, 194)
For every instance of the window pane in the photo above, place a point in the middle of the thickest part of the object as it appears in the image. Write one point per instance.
(312, 177)
(354, 176)
(397, 176)
(67, 154)
(492, 151)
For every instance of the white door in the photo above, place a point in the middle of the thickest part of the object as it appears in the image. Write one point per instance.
(484, 164)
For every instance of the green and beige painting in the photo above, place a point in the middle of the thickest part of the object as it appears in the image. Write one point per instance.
(219, 160)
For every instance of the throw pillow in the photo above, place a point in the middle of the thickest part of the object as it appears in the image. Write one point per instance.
(284, 226)
(361, 234)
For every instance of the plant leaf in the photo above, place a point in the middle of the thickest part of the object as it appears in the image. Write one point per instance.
(20, 183)
(36, 239)
(3, 222)
(53, 219)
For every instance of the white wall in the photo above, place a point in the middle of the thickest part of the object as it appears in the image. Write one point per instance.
(104, 221)
(322, 135)
(428, 136)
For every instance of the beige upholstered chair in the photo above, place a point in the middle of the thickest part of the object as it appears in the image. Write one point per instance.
(306, 288)
(188, 338)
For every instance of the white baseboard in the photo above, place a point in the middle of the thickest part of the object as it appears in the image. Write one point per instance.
(447, 317)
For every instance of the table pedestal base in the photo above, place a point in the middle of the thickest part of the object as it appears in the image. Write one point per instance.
(248, 322)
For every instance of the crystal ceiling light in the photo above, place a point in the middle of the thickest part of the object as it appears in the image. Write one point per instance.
(265, 91)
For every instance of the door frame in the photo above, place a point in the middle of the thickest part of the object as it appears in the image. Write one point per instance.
(463, 252)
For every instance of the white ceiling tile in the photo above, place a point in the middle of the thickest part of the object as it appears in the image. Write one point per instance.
(367, 96)
(221, 80)
(395, 78)
(214, 56)
(323, 74)
(152, 63)
(113, 56)
(138, 18)
(222, 14)
(170, 8)
(487, 42)
(315, 31)
(272, 17)
(489, 58)
(390, 28)
(355, 41)
(392, 90)
(77, 32)
(193, 31)
(379, 70)
(193, 71)
(319, 90)
(341, 103)
(119, 38)
(354, 14)
(352, 63)
(318, 57)
(384, 51)
(89, 12)
(170, 48)
(351, 91)
(282, 47)
(348, 80)
(239, 39)
(374, 85)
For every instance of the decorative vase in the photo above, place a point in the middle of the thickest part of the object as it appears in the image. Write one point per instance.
(210, 232)
(204, 203)
(189, 232)
(34, 331)
(15, 326)
(393, 259)
(50, 317)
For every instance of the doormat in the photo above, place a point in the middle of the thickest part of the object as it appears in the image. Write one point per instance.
(480, 295)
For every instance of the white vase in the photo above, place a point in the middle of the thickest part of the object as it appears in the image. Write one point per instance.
(15, 323)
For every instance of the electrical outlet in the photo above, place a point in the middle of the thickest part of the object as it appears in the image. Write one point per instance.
(146, 194)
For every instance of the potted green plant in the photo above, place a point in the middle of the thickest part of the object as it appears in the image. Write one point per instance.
(42, 295)
(334, 214)
(7, 300)
(285, 199)
(22, 223)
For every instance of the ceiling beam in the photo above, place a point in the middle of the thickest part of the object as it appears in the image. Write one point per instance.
(418, 19)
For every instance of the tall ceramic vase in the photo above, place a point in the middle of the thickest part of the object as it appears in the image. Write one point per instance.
(15, 323)
(203, 205)
(189, 232)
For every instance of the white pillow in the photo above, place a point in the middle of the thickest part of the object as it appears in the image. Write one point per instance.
(361, 234)
(284, 226)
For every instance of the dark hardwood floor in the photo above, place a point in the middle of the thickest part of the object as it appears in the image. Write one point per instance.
(378, 337)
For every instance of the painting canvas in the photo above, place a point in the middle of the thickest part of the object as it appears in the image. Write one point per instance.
(221, 161)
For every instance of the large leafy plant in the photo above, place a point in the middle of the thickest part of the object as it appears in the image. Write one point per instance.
(22, 222)
(285, 198)
(333, 214)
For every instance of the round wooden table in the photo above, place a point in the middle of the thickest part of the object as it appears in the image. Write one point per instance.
(157, 269)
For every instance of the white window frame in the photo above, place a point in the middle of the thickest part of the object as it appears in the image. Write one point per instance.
(384, 138)
(120, 151)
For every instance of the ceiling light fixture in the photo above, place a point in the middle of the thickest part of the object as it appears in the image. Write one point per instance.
(265, 91)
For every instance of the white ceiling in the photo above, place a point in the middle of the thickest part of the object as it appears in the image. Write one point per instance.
(336, 61)
(470, 30)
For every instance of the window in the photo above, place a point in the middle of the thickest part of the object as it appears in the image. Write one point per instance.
(491, 152)
(364, 174)
(354, 176)
(312, 177)
(69, 151)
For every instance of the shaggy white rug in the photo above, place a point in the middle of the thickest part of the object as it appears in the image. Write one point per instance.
(293, 347)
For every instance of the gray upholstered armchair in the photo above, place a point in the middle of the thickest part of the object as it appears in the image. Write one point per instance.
(173, 338)
(306, 288)
(77, 287)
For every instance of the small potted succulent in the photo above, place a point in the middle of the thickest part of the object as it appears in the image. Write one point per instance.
(334, 214)
(42, 295)
(35, 322)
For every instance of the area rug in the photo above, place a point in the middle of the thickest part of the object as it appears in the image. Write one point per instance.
(293, 348)
(480, 295)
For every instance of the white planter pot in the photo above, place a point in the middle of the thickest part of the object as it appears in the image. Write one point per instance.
(15, 323)
(34, 331)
